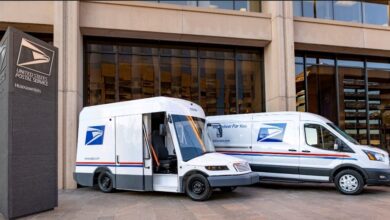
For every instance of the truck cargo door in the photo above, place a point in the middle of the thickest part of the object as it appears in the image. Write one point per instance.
(129, 153)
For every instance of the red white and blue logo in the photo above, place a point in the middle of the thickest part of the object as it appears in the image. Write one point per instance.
(273, 132)
(95, 135)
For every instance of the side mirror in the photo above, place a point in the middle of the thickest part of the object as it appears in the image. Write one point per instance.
(162, 130)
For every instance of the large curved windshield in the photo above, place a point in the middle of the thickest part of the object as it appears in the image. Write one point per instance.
(190, 134)
(345, 135)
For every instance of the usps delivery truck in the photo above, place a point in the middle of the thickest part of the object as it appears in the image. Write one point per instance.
(153, 144)
(299, 147)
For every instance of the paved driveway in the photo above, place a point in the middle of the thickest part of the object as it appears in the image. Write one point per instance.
(263, 201)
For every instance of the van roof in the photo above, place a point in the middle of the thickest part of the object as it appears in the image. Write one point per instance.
(280, 115)
(141, 106)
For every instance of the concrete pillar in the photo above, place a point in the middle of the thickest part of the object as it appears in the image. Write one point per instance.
(279, 64)
(68, 39)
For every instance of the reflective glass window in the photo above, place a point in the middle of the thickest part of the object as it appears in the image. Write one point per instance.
(379, 107)
(324, 9)
(179, 77)
(376, 12)
(217, 4)
(101, 75)
(298, 59)
(378, 65)
(321, 94)
(300, 88)
(308, 8)
(254, 6)
(297, 8)
(192, 3)
(348, 11)
(218, 85)
(222, 81)
(249, 86)
(361, 113)
(353, 114)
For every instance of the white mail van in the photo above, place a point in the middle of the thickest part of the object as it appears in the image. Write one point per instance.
(153, 144)
(300, 147)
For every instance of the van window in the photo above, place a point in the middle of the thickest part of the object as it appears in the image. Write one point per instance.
(320, 137)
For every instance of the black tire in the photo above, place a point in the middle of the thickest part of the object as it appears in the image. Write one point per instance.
(105, 182)
(349, 182)
(198, 187)
(228, 188)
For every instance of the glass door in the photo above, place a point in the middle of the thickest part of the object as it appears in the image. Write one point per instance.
(352, 93)
(379, 107)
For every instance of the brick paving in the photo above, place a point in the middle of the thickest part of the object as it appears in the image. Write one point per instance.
(262, 201)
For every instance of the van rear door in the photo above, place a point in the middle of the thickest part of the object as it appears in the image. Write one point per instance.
(129, 153)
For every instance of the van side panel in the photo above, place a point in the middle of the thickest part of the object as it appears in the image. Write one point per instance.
(275, 148)
(129, 151)
(95, 149)
(231, 137)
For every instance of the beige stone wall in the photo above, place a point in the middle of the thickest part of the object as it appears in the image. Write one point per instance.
(275, 29)
(173, 22)
(68, 39)
(279, 67)
(344, 37)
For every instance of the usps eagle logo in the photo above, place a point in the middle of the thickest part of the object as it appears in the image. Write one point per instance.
(273, 132)
(35, 57)
(95, 135)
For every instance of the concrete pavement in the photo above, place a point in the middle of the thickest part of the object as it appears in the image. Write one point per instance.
(263, 201)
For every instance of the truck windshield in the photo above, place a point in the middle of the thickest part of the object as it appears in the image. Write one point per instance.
(190, 134)
(345, 135)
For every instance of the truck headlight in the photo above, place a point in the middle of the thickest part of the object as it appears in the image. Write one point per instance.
(374, 155)
(217, 168)
(242, 167)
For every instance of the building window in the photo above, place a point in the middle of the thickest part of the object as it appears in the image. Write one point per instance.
(376, 12)
(351, 91)
(222, 80)
(240, 5)
(367, 12)
(348, 11)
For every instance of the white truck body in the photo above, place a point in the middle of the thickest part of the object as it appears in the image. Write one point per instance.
(296, 146)
(151, 144)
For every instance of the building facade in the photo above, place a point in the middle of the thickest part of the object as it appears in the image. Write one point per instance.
(327, 57)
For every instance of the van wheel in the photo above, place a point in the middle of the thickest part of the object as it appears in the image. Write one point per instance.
(198, 187)
(349, 182)
(228, 188)
(105, 182)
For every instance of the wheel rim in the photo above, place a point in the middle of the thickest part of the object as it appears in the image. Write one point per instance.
(198, 187)
(349, 183)
(106, 182)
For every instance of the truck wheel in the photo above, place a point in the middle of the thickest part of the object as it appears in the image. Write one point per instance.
(198, 187)
(228, 188)
(349, 182)
(105, 182)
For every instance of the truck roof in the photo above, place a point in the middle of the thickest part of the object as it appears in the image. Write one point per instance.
(141, 106)
(276, 115)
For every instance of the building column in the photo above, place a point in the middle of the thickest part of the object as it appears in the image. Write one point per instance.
(279, 65)
(68, 39)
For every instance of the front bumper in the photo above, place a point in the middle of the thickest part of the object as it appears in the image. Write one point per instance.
(234, 180)
(378, 176)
